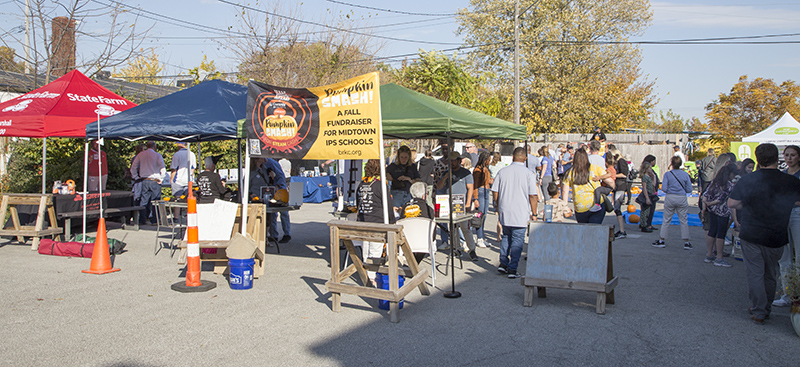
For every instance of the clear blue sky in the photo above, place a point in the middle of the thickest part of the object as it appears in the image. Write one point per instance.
(687, 77)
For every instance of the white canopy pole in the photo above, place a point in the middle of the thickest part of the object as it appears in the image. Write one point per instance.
(85, 180)
(44, 166)
(244, 193)
(383, 169)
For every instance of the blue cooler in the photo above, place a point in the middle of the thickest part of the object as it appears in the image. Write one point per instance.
(241, 273)
(382, 281)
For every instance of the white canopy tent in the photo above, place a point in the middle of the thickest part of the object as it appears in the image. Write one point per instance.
(785, 131)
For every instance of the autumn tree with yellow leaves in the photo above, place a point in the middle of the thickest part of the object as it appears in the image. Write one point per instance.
(142, 69)
(750, 107)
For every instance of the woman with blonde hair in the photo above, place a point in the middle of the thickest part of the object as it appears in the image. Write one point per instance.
(466, 163)
(579, 180)
(402, 173)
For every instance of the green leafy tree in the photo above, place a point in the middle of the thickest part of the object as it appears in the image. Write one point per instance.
(449, 79)
(750, 107)
(64, 162)
(576, 71)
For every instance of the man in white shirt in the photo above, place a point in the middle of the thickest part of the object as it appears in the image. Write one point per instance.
(148, 168)
(516, 197)
(184, 162)
(678, 153)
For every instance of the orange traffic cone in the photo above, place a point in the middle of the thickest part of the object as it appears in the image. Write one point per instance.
(193, 282)
(101, 260)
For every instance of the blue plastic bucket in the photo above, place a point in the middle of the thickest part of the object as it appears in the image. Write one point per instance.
(241, 273)
(382, 281)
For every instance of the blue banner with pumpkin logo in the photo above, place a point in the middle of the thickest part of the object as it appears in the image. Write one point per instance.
(338, 121)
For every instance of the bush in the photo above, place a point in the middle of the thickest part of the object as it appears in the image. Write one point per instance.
(64, 162)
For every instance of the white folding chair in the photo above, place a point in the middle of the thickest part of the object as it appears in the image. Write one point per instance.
(420, 234)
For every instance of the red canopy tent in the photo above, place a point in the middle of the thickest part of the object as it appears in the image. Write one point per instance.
(62, 108)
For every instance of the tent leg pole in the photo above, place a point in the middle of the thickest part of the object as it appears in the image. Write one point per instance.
(85, 180)
(44, 166)
(199, 160)
(239, 161)
(244, 191)
(454, 238)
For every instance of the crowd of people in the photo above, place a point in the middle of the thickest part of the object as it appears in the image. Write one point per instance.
(148, 173)
(758, 200)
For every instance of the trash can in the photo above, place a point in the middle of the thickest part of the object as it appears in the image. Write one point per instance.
(382, 281)
(240, 275)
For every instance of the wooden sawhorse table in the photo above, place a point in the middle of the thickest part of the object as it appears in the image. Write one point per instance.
(392, 235)
(45, 203)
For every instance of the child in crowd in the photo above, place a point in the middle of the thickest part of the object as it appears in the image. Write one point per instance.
(606, 184)
(561, 208)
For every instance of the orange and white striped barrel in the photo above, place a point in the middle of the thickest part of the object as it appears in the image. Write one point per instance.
(192, 243)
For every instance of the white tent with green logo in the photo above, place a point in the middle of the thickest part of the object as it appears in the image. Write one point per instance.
(785, 131)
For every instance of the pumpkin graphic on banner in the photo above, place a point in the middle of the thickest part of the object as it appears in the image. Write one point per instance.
(285, 121)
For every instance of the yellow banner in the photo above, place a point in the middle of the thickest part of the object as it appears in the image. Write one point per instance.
(338, 121)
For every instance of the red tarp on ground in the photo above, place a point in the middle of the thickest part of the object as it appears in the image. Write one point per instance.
(62, 108)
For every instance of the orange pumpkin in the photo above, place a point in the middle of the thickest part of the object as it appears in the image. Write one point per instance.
(631, 208)
(282, 196)
(633, 218)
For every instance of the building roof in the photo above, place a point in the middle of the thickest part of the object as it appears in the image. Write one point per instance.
(137, 92)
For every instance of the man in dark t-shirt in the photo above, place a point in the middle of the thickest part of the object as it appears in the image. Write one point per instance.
(764, 201)
(209, 184)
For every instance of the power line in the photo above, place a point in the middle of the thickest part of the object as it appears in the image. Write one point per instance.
(392, 11)
(186, 24)
(314, 32)
(335, 28)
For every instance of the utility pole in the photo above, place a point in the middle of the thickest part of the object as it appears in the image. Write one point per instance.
(27, 37)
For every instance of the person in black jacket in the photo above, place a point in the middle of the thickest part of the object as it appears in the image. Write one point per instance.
(209, 184)
(370, 208)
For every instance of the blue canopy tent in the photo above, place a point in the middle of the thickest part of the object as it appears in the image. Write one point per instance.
(207, 111)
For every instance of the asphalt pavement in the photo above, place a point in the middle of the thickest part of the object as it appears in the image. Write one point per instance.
(671, 309)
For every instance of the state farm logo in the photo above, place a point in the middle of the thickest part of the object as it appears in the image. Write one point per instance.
(18, 107)
(105, 110)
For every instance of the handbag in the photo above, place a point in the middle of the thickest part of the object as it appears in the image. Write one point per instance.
(641, 200)
(477, 220)
(653, 198)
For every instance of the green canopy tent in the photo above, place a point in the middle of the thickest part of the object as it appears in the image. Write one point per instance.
(407, 114)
